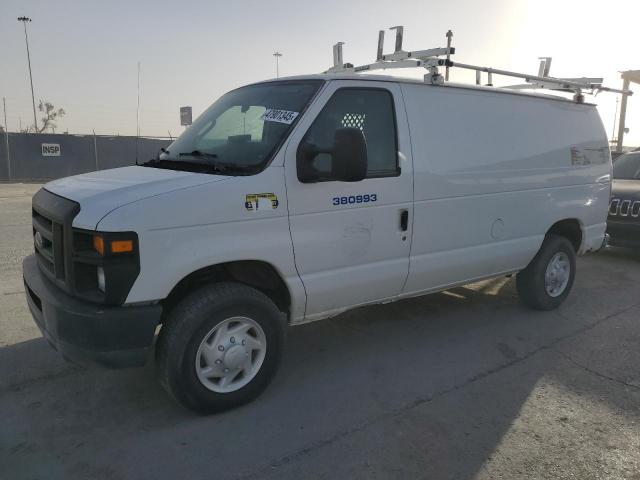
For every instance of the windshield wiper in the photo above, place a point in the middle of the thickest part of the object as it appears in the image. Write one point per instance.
(153, 160)
(198, 153)
(202, 166)
(202, 160)
(221, 167)
(156, 162)
(177, 164)
(208, 157)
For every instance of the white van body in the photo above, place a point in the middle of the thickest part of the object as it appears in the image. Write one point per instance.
(297, 199)
(484, 174)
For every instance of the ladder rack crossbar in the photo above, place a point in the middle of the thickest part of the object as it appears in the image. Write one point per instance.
(398, 64)
(429, 60)
(569, 84)
(418, 54)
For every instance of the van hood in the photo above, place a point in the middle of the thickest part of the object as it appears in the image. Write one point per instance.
(99, 193)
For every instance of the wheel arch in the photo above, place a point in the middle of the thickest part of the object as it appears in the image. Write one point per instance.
(258, 274)
(571, 229)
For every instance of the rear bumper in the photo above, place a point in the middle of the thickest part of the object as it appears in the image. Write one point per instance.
(594, 238)
(114, 337)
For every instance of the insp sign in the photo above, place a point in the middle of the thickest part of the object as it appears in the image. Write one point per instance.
(50, 149)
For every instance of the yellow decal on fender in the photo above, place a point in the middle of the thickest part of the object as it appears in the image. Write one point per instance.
(261, 201)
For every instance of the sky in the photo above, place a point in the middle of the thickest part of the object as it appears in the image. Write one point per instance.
(84, 54)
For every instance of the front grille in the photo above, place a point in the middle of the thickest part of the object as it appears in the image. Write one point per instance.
(52, 233)
(43, 240)
(48, 240)
(624, 209)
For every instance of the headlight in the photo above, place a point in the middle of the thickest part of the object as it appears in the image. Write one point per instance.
(101, 280)
(105, 265)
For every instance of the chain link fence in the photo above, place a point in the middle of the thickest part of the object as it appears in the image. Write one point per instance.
(26, 156)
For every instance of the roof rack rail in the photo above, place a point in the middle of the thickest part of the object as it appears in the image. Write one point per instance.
(430, 60)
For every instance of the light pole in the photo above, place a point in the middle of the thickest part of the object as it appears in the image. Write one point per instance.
(138, 115)
(24, 21)
(277, 55)
(6, 137)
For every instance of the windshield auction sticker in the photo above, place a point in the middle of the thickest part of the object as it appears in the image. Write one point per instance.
(280, 116)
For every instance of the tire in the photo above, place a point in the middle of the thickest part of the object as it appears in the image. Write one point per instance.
(540, 292)
(220, 308)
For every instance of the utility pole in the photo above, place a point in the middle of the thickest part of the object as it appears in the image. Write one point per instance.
(138, 115)
(24, 21)
(615, 118)
(277, 55)
(95, 149)
(138, 105)
(6, 137)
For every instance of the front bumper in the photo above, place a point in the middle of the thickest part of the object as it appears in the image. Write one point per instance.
(624, 234)
(85, 332)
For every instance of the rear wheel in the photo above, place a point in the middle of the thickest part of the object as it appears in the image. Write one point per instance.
(548, 278)
(220, 347)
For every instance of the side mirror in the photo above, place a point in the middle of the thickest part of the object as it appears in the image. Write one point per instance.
(348, 158)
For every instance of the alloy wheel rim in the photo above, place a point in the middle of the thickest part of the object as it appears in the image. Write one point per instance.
(230, 354)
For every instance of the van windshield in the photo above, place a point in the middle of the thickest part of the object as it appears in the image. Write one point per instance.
(627, 167)
(241, 131)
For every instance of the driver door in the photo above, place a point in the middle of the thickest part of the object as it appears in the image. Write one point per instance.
(352, 239)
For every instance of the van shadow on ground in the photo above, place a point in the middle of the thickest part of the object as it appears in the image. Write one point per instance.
(424, 387)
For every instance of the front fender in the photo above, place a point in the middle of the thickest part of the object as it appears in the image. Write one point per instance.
(187, 230)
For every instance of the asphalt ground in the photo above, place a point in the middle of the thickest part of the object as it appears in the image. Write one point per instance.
(464, 384)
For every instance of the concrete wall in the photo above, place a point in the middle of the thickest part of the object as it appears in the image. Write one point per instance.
(78, 154)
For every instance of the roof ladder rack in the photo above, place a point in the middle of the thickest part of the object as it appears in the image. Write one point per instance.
(429, 59)
(398, 59)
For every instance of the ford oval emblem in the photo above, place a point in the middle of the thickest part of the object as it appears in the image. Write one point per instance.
(38, 240)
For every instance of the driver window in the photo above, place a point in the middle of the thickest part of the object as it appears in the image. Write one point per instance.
(370, 110)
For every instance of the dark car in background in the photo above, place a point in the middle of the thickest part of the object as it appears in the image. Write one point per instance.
(623, 222)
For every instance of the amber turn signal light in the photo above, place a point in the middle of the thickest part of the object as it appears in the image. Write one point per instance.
(122, 246)
(98, 244)
(114, 246)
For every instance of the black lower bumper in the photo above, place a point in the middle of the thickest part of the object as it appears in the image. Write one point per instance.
(624, 234)
(85, 332)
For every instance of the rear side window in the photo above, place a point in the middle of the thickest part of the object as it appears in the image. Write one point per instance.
(627, 167)
(372, 111)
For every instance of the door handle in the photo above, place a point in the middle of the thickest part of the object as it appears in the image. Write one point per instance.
(404, 220)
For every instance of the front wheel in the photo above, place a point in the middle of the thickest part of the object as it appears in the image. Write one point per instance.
(548, 278)
(220, 347)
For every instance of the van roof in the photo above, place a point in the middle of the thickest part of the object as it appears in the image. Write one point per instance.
(417, 81)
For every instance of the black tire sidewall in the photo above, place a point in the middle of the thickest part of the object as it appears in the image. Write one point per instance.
(531, 280)
(182, 377)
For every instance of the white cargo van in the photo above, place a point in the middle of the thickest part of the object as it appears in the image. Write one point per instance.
(296, 199)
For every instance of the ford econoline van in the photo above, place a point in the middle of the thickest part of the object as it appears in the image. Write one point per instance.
(293, 200)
